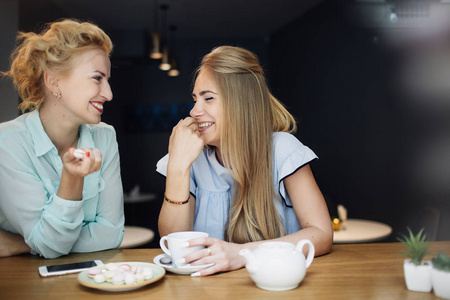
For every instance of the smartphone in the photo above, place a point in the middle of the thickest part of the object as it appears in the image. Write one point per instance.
(63, 269)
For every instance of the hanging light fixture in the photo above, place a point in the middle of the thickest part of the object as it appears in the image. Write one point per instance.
(173, 72)
(165, 63)
(155, 52)
(173, 61)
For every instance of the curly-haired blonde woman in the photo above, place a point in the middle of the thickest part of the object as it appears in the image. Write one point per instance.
(235, 171)
(51, 202)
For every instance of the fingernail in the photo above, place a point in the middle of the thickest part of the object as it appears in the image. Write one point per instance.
(88, 154)
(196, 274)
(180, 261)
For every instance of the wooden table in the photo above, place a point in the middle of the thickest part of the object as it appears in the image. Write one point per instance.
(351, 271)
(361, 231)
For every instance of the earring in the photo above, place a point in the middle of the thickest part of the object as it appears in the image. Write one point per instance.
(57, 94)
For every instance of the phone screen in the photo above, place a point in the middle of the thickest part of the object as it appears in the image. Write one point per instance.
(71, 266)
(68, 268)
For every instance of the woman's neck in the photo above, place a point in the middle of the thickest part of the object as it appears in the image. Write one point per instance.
(62, 133)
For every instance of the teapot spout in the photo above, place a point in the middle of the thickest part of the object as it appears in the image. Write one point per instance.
(250, 259)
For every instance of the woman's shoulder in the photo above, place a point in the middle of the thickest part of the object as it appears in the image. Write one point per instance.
(101, 132)
(103, 137)
(101, 127)
(286, 145)
(14, 128)
(285, 139)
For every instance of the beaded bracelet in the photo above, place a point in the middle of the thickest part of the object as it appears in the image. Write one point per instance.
(176, 202)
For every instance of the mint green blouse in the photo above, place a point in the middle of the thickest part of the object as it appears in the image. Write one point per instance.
(30, 172)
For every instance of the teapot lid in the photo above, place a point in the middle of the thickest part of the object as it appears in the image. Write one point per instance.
(276, 246)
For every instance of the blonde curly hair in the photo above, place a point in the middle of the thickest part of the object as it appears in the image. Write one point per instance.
(52, 49)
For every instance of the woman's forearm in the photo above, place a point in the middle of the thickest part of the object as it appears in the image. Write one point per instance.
(12, 244)
(177, 217)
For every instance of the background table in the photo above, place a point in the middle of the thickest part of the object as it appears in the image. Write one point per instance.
(139, 198)
(136, 236)
(361, 231)
(351, 271)
(138, 220)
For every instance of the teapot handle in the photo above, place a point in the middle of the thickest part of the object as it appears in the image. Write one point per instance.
(311, 250)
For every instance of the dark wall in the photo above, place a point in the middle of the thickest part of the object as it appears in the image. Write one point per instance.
(338, 81)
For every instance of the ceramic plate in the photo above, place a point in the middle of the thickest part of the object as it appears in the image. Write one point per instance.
(188, 269)
(158, 273)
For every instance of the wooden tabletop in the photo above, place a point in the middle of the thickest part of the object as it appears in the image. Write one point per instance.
(350, 271)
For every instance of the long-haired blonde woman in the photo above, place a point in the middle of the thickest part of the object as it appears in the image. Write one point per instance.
(53, 202)
(235, 171)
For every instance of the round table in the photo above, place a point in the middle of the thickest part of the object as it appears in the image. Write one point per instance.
(361, 231)
(135, 236)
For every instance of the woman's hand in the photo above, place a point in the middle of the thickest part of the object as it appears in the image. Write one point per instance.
(185, 143)
(12, 244)
(224, 255)
(75, 169)
(185, 146)
(90, 163)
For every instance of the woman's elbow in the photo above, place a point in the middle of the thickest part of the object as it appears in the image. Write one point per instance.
(323, 244)
(116, 238)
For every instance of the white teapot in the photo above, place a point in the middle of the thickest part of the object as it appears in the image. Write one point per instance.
(278, 266)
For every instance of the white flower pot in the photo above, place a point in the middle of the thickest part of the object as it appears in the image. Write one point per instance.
(418, 278)
(441, 283)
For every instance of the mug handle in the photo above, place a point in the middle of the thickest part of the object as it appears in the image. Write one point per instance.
(311, 250)
(162, 244)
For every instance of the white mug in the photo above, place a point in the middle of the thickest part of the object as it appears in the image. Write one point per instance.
(177, 243)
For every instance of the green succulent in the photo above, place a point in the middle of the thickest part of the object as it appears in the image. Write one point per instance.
(416, 246)
(441, 262)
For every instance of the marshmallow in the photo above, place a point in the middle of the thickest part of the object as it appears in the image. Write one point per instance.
(125, 267)
(99, 278)
(119, 274)
(94, 271)
(137, 269)
(109, 275)
(78, 153)
(148, 273)
(139, 278)
(111, 266)
(130, 278)
(118, 279)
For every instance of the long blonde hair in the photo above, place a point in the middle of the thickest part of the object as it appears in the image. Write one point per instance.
(53, 49)
(251, 114)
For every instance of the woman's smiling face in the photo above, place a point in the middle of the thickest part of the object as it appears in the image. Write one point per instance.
(207, 110)
(86, 89)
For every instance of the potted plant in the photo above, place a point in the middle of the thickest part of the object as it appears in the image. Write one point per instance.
(440, 275)
(416, 270)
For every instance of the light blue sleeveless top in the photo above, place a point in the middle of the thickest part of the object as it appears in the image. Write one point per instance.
(212, 184)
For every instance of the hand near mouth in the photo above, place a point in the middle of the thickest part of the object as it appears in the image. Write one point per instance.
(185, 143)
